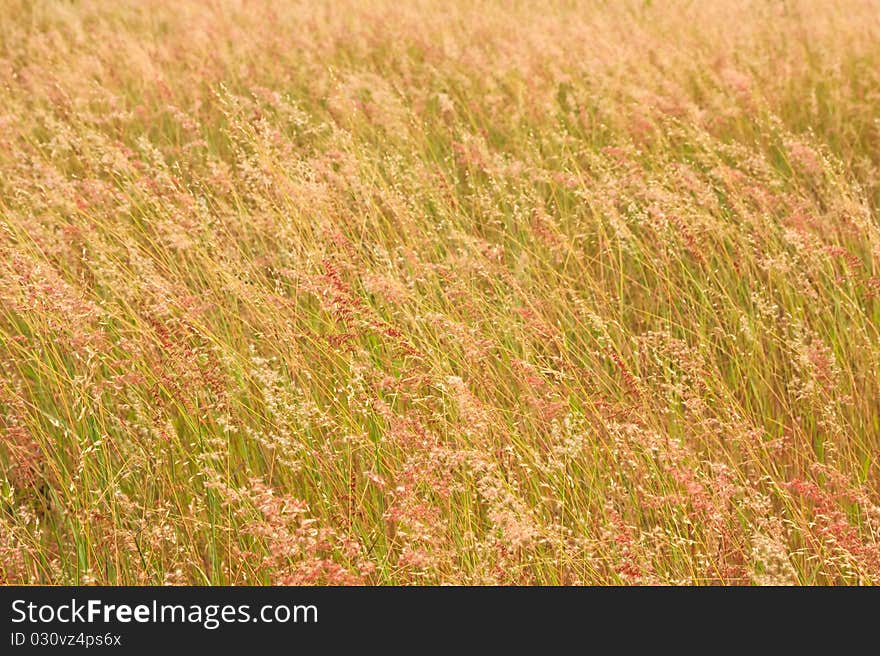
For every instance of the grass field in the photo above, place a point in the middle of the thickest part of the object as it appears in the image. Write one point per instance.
(459, 292)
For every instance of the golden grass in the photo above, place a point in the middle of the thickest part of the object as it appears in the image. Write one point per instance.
(439, 292)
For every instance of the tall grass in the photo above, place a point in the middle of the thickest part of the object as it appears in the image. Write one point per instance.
(440, 292)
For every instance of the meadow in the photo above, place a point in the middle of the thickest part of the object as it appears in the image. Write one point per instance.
(440, 292)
